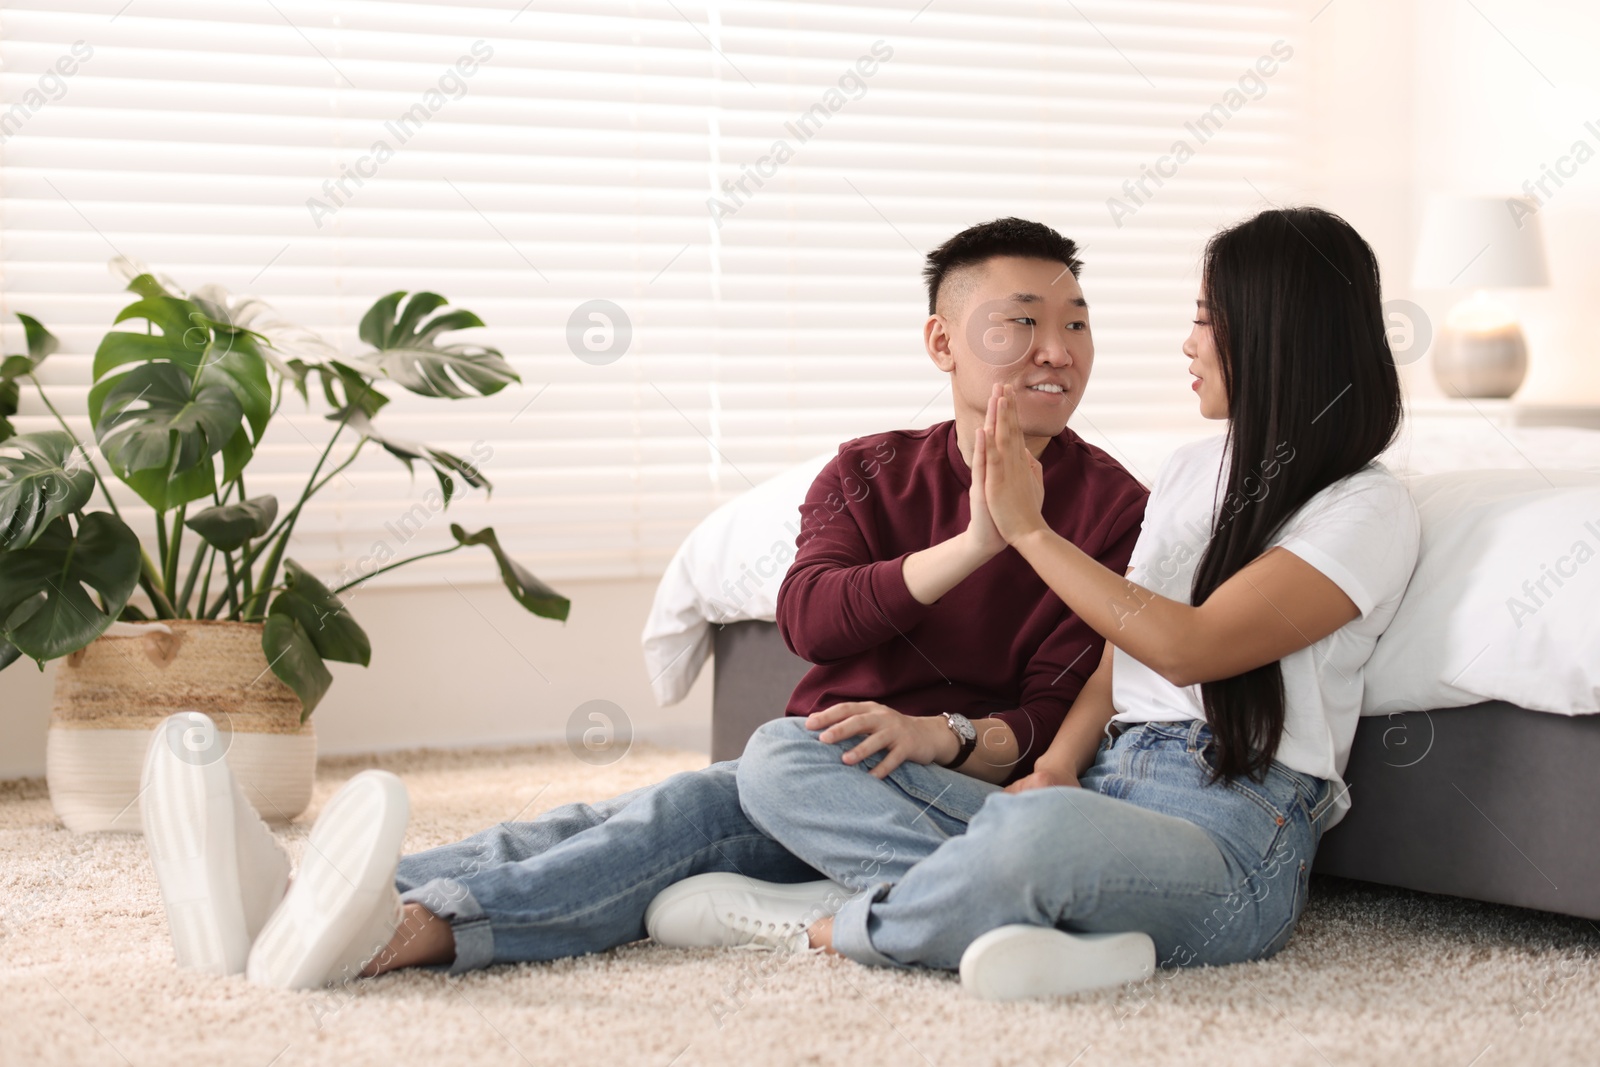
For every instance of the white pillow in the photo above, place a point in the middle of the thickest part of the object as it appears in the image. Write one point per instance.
(728, 569)
(1502, 605)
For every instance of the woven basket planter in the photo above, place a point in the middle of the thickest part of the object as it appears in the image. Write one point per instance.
(110, 695)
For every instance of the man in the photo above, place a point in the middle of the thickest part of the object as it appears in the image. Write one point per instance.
(932, 643)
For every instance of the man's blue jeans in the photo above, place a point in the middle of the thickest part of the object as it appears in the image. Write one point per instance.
(1213, 873)
(578, 878)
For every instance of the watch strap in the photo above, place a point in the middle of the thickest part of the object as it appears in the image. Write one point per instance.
(968, 745)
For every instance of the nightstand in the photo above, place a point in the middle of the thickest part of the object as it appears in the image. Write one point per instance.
(1506, 414)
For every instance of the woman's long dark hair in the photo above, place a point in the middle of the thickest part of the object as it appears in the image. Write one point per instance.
(1294, 302)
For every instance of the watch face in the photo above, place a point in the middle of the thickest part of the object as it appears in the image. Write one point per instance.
(963, 727)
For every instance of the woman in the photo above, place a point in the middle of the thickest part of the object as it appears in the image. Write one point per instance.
(1183, 799)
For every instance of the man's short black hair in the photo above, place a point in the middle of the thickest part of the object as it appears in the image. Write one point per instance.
(999, 237)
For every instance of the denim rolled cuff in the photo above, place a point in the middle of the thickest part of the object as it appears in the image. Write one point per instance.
(453, 902)
(850, 936)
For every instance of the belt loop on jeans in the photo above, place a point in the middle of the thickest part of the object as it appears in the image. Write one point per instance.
(1195, 726)
(1114, 730)
(1329, 796)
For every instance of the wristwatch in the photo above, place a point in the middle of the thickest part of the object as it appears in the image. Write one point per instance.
(965, 732)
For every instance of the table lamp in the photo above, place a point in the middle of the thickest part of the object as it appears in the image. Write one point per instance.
(1480, 243)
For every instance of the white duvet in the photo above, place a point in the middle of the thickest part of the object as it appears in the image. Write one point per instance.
(730, 567)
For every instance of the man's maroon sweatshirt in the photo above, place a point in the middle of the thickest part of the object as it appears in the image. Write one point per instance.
(999, 644)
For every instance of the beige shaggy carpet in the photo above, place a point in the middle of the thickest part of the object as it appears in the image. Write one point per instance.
(1373, 975)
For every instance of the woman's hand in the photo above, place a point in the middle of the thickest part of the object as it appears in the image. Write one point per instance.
(1013, 479)
(1044, 776)
(917, 738)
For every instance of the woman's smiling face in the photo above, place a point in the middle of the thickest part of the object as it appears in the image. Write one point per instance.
(1206, 365)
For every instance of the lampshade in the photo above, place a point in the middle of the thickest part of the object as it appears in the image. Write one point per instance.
(1480, 242)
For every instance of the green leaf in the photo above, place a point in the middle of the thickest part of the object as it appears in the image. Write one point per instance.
(284, 342)
(235, 361)
(442, 463)
(22, 612)
(235, 455)
(293, 658)
(175, 317)
(470, 472)
(184, 340)
(142, 281)
(135, 438)
(41, 342)
(36, 487)
(322, 616)
(227, 526)
(359, 392)
(9, 398)
(103, 555)
(529, 591)
(408, 352)
(296, 371)
(162, 493)
(384, 325)
(120, 347)
(189, 397)
(9, 653)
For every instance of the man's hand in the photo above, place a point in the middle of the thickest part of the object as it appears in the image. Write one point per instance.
(937, 569)
(1013, 478)
(1044, 776)
(918, 738)
(982, 534)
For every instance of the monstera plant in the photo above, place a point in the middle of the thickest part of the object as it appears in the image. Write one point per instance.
(183, 393)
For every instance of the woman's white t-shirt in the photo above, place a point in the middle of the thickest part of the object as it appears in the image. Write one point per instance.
(1361, 533)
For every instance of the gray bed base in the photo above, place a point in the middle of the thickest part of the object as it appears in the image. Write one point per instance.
(1491, 802)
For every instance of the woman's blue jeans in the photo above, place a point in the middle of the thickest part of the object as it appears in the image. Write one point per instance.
(1213, 873)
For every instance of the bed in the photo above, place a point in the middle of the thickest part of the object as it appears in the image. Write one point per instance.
(1457, 787)
(1491, 801)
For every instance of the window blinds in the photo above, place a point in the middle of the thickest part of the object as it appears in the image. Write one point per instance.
(695, 229)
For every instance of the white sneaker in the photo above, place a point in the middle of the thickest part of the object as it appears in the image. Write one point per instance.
(343, 908)
(1013, 962)
(728, 910)
(220, 869)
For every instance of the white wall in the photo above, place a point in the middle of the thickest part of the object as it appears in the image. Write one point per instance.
(1500, 95)
(451, 669)
(1360, 85)
(1438, 96)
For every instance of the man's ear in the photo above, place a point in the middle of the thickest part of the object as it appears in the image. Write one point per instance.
(936, 339)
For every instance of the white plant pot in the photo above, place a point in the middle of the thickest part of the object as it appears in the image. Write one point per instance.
(110, 696)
